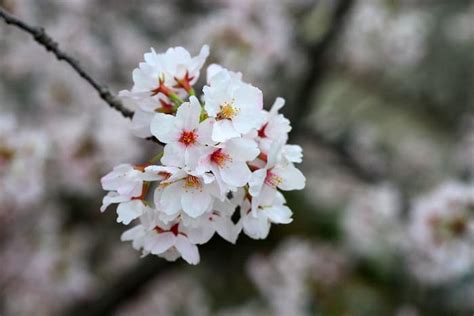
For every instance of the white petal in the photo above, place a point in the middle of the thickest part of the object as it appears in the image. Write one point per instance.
(242, 149)
(248, 119)
(163, 127)
(293, 153)
(248, 96)
(159, 243)
(195, 202)
(111, 198)
(223, 130)
(256, 227)
(188, 251)
(188, 114)
(212, 70)
(141, 123)
(173, 155)
(279, 214)
(205, 132)
(192, 155)
(128, 211)
(256, 181)
(277, 105)
(292, 178)
(133, 233)
(235, 173)
(226, 228)
(170, 198)
(201, 234)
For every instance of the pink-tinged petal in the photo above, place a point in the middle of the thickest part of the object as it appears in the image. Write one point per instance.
(256, 181)
(223, 130)
(188, 114)
(279, 214)
(173, 155)
(292, 178)
(235, 173)
(163, 127)
(242, 149)
(159, 243)
(256, 227)
(169, 199)
(189, 252)
(128, 211)
(195, 202)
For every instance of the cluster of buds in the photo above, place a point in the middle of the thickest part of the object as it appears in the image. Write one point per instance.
(224, 161)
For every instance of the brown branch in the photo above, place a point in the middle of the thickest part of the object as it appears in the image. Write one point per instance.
(317, 54)
(42, 38)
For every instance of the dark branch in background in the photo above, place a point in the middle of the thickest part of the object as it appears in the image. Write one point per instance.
(344, 156)
(42, 38)
(317, 56)
(318, 65)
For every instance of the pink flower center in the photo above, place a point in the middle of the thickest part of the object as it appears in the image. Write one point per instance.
(174, 229)
(220, 158)
(188, 138)
(272, 179)
(261, 131)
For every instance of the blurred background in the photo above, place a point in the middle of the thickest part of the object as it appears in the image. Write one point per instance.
(381, 97)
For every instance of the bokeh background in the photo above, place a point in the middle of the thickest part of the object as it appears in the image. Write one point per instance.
(381, 97)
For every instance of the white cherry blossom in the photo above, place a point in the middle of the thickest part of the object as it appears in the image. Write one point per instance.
(275, 126)
(165, 240)
(220, 157)
(175, 69)
(183, 134)
(125, 183)
(270, 210)
(236, 106)
(277, 173)
(228, 162)
(191, 193)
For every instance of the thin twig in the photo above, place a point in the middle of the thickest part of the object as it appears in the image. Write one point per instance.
(42, 38)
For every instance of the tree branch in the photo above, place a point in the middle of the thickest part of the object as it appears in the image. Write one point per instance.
(42, 38)
(318, 66)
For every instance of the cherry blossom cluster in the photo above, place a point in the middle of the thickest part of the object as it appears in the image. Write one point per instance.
(441, 233)
(225, 159)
